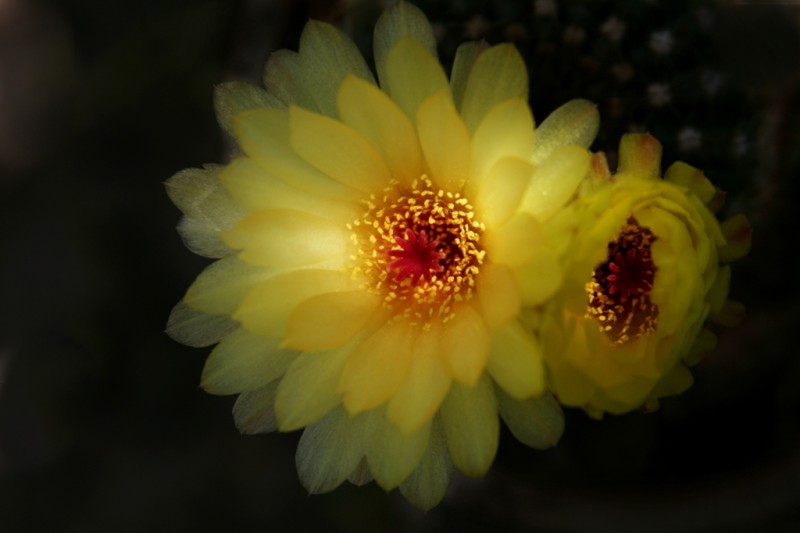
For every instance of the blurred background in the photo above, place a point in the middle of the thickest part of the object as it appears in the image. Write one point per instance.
(102, 424)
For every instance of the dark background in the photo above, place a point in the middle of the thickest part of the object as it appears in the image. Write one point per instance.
(102, 424)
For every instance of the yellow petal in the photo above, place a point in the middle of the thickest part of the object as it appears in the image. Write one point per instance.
(202, 239)
(331, 449)
(309, 389)
(514, 242)
(374, 115)
(498, 74)
(427, 484)
(498, 295)
(412, 75)
(575, 122)
(222, 285)
(501, 190)
(255, 188)
(507, 130)
(639, 156)
(337, 150)
(254, 410)
(243, 361)
(400, 20)
(537, 422)
(465, 345)
(391, 455)
(469, 419)
(516, 362)
(285, 238)
(328, 320)
(328, 56)
(540, 277)
(738, 238)
(264, 135)
(377, 367)
(266, 308)
(692, 178)
(425, 386)
(555, 181)
(445, 141)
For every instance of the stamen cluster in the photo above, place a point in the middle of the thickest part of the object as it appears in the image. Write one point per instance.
(419, 247)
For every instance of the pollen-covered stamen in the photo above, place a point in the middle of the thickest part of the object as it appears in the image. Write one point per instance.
(619, 291)
(420, 248)
(416, 258)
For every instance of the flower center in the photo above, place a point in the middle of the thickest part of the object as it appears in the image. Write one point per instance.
(619, 291)
(420, 248)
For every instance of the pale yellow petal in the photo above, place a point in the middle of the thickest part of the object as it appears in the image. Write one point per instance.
(377, 367)
(255, 188)
(537, 422)
(254, 410)
(465, 345)
(445, 141)
(466, 55)
(202, 239)
(412, 75)
(374, 115)
(207, 206)
(243, 361)
(285, 238)
(514, 242)
(425, 386)
(506, 131)
(555, 181)
(331, 449)
(540, 277)
(329, 320)
(233, 97)
(471, 427)
(336, 150)
(391, 455)
(498, 74)
(328, 56)
(516, 363)
(197, 328)
(502, 189)
(400, 20)
(575, 122)
(427, 484)
(222, 285)
(284, 80)
(266, 308)
(264, 135)
(309, 389)
(498, 295)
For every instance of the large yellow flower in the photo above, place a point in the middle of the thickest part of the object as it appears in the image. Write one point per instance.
(646, 267)
(377, 243)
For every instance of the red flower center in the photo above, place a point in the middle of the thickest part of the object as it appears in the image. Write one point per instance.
(619, 291)
(416, 258)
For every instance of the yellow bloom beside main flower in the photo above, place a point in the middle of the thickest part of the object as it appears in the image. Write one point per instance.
(376, 245)
(647, 265)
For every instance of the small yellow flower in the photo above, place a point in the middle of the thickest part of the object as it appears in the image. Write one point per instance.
(646, 267)
(376, 245)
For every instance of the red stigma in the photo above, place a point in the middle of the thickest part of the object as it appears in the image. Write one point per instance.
(416, 258)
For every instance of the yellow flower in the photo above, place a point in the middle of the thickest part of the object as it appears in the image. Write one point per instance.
(646, 267)
(377, 244)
